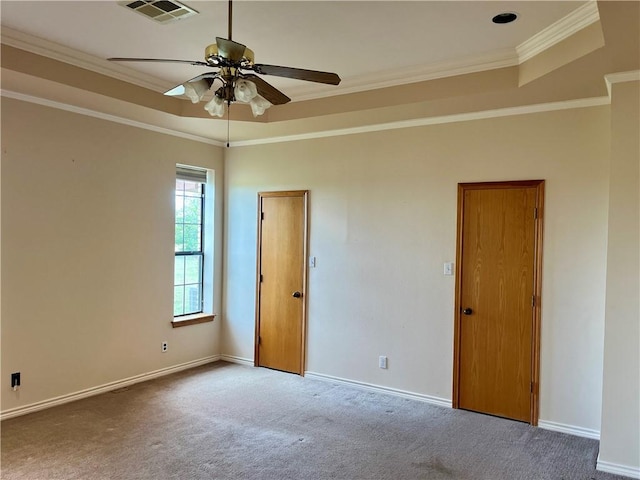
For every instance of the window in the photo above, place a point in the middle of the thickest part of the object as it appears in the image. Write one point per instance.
(188, 282)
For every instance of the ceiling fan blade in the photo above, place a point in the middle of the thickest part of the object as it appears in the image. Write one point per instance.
(209, 77)
(266, 90)
(159, 60)
(175, 91)
(229, 49)
(179, 89)
(297, 73)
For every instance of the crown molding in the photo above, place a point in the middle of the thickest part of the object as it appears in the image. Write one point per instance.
(418, 122)
(55, 51)
(567, 26)
(360, 83)
(425, 121)
(461, 66)
(580, 18)
(106, 116)
(621, 77)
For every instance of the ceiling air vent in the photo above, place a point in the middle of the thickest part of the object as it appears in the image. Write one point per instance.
(162, 11)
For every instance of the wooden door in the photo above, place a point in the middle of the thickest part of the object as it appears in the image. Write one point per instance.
(280, 312)
(496, 358)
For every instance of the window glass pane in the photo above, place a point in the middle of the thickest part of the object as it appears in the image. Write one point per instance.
(192, 299)
(178, 272)
(188, 238)
(178, 300)
(191, 238)
(179, 238)
(192, 210)
(193, 269)
(179, 208)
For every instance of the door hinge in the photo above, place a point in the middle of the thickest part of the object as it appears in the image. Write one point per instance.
(261, 215)
(259, 340)
(533, 387)
(261, 278)
(533, 300)
(535, 213)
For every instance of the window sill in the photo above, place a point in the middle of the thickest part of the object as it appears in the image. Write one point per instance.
(192, 319)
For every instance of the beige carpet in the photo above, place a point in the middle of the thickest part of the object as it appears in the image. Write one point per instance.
(224, 421)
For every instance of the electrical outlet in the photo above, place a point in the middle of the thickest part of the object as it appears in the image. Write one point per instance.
(15, 380)
(165, 346)
(382, 361)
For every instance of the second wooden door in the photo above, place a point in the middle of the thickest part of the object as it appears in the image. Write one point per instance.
(496, 328)
(280, 322)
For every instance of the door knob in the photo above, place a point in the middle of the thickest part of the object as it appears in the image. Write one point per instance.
(296, 295)
(467, 311)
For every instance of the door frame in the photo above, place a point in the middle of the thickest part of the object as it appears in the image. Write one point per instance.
(537, 287)
(305, 229)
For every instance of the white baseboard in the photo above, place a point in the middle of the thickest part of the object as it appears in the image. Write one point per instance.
(107, 387)
(441, 402)
(240, 360)
(624, 470)
(570, 429)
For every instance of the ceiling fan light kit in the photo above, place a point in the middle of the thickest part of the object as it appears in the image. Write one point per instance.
(215, 107)
(244, 91)
(231, 58)
(194, 91)
(258, 105)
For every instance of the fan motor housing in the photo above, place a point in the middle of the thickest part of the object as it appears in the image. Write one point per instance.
(211, 55)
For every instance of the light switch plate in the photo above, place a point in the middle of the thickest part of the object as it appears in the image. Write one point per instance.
(382, 361)
(448, 268)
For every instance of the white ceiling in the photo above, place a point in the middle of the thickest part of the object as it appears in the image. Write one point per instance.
(362, 41)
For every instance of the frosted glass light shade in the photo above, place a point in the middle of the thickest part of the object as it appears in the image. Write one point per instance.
(215, 106)
(196, 90)
(259, 105)
(245, 91)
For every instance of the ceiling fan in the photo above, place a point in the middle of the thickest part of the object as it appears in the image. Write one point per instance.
(233, 60)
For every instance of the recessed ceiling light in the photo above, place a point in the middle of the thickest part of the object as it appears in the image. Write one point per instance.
(506, 17)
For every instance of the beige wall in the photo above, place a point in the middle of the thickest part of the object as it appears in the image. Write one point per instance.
(87, 252)
(85, 295)
(620, 441)
(382, 222)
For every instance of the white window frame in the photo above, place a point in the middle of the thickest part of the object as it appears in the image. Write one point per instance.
(183, 171)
